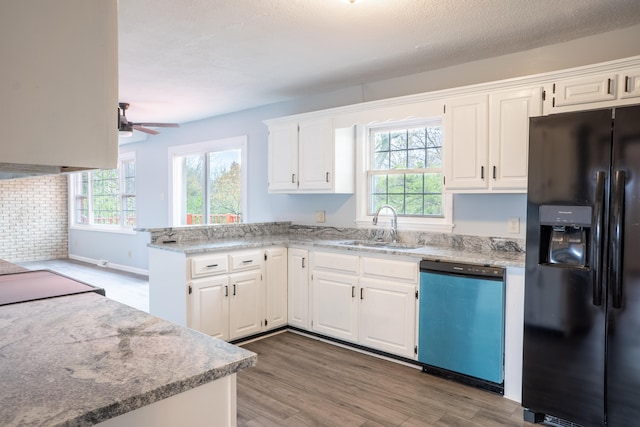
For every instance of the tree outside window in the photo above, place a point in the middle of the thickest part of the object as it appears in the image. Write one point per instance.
(211, 187)
(106, 197)
(406, 169)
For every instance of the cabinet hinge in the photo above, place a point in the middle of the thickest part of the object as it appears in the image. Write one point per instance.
(190, 289)
(417, 293)
(553, 88)
(544, 95)
(265, 323)
(265, 256)
(415, 350)
(444, 109)
(444, 180)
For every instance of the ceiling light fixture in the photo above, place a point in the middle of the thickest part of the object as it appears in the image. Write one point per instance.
(125, 133)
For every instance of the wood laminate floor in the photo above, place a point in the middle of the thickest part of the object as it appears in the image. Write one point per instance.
(301, 381)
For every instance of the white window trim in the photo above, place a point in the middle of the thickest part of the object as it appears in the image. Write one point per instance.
(199, 148)
(363, 219)
(122, 157)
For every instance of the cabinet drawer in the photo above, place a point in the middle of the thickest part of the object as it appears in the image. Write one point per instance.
(398, 270)
(245, 260)
(337, 262)
(208, 265)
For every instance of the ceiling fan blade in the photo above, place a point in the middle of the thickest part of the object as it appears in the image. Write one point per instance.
(145, 130)
(159, 125)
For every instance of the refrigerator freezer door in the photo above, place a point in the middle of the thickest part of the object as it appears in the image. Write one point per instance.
(623, 367)
(564, 332)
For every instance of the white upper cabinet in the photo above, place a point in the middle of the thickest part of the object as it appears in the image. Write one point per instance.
(486, 139)
(311, 156)
(59, 83)
(630, 84)
(509, 114)
(283, 157)
(584, 90)
(465, 143)
(605, 90)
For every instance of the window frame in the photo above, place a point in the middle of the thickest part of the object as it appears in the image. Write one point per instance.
(364, 218)
(124, 157)
(199, 148)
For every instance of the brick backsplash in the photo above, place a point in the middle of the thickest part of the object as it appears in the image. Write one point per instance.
(34, 218)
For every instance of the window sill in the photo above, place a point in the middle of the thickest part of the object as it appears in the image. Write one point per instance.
(115, 230)
(412, 224)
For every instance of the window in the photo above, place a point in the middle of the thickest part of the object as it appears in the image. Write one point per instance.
(404, 169)
(106, 198)
(208, 182)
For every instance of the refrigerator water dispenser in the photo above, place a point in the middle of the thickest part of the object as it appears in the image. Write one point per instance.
(564, 235)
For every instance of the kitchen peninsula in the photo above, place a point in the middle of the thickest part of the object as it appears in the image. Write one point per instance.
(85, 359)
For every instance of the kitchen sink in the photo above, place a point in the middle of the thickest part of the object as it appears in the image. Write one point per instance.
(378, 244)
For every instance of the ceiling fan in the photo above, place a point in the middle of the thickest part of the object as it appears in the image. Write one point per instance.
(126, 128)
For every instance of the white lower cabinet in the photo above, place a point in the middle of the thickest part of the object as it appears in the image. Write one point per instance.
(209, 306)
(387, 316)
(276, 287)
(335, 305)
(246, 301)
(365, 300)
(298, 288)
(237, 294)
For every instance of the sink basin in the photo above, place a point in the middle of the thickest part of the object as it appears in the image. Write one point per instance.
(378, 244)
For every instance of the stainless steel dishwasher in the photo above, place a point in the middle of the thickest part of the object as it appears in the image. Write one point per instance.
(461, 323)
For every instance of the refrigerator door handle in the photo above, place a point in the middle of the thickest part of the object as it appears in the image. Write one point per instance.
(596, 239)
(616, 241)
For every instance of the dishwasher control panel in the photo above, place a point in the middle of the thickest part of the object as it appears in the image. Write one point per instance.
(461, 268)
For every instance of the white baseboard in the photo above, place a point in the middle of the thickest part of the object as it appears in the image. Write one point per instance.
(107, 264)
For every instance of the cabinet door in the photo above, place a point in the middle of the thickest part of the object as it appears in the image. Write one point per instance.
(584, 90)
(246, 304)
(209, 306)
(465, 143)
(283, 157)
(276, 288)
(509, 114)
(298, 286)
(387, 316)
(316, 141)
(630, 84)
(334, 305)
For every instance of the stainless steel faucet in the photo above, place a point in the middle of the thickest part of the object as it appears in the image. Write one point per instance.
(394, 221)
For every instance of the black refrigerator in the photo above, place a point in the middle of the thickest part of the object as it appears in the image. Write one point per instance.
(581, 360)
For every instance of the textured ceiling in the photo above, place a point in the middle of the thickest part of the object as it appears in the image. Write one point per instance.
(190, 59)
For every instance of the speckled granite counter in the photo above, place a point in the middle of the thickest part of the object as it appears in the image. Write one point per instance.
(469, 253)
(83, 359)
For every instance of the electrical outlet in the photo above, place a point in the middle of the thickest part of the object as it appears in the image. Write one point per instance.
(513, 225)
(320, 216)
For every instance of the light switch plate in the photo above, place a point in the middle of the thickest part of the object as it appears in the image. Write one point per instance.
(514, 225)
(320, 216)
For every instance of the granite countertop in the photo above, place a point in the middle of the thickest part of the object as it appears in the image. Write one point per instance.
(468, 255)
(82, 359)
